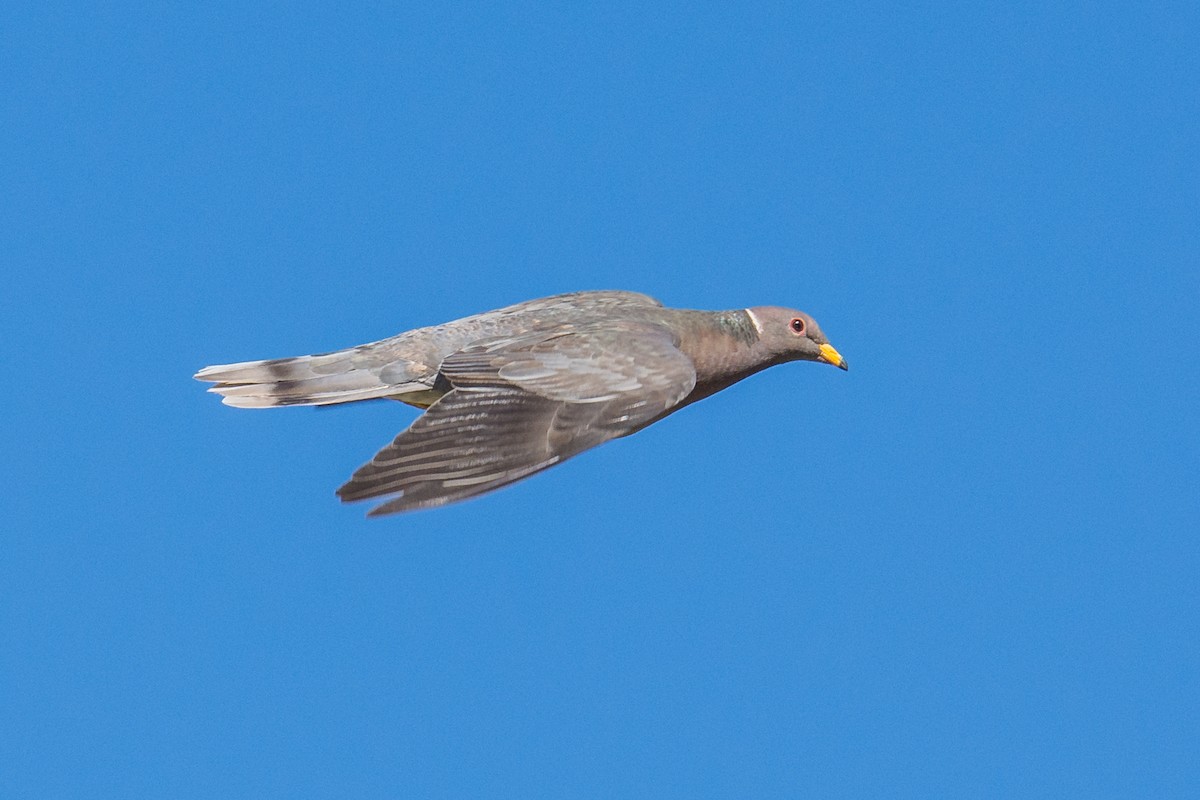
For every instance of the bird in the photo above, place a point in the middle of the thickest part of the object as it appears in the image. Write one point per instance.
(511, 392)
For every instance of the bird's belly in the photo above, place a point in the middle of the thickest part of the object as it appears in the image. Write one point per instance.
(421, 399)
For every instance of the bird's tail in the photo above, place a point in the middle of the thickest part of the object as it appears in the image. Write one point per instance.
(340, 377)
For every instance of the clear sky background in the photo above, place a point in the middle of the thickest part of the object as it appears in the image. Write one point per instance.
(966, 568)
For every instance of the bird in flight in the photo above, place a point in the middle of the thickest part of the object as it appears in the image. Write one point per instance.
(512, 392)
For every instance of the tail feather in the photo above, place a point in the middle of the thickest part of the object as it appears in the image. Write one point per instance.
(341, 377)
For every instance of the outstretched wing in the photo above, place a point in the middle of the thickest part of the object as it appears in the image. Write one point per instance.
(521, 404)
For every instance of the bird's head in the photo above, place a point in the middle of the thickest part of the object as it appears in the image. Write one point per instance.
(789, 335)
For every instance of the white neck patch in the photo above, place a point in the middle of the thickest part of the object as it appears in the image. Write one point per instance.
(757, 325)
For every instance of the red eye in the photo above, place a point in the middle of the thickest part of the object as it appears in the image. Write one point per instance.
(798, 326)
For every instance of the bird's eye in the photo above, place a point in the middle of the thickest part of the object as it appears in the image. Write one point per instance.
(798, 326)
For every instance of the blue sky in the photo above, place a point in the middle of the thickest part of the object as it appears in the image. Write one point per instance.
(965, 568)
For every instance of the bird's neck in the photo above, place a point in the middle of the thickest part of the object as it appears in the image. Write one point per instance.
(722, 345)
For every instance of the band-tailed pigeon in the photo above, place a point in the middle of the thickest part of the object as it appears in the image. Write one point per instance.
(511, 392)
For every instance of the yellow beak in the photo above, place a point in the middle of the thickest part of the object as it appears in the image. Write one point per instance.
(831, 356)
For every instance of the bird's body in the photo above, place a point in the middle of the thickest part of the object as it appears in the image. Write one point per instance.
(513, 391)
